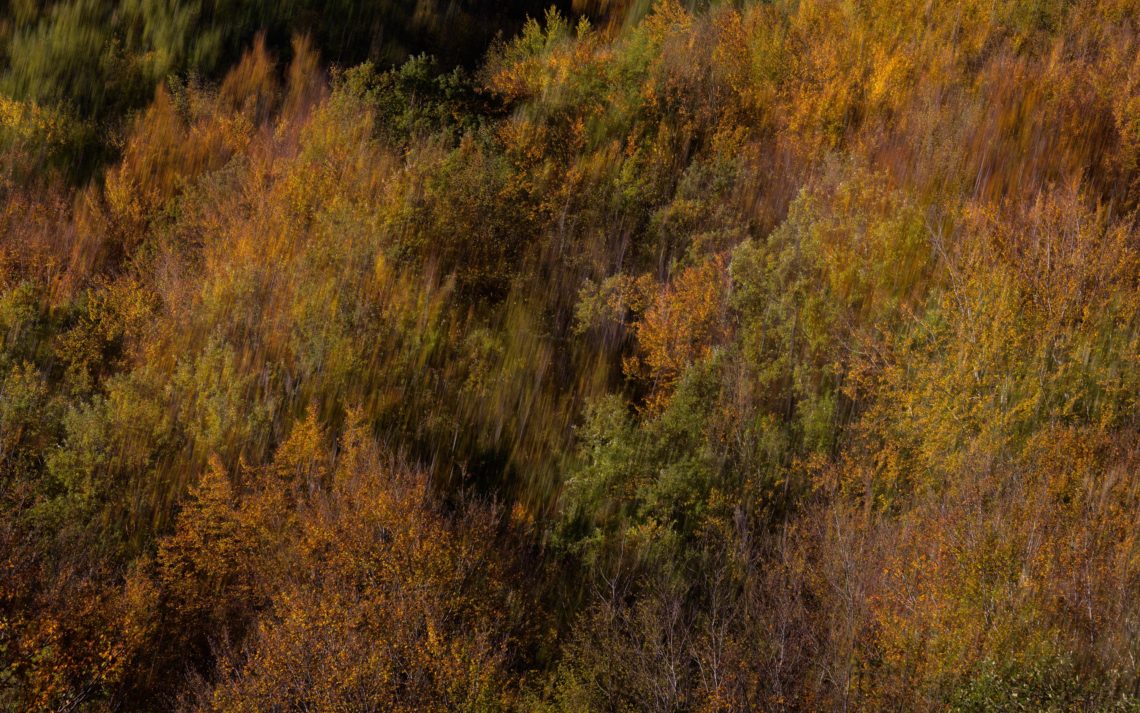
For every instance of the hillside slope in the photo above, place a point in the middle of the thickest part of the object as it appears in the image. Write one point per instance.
(743, 356)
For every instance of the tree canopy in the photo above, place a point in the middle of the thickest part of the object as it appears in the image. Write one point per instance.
(623, 356)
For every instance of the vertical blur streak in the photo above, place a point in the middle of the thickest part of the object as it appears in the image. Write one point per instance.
(671, 356)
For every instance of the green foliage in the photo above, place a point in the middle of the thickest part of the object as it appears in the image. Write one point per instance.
(416, 100)
(1039, 686)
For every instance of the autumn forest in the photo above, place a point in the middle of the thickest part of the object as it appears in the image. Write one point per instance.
(616, 355)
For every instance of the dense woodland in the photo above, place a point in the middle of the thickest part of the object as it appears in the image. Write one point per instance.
(620, 356)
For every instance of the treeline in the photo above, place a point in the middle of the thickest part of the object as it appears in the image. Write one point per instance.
(722, 357)
(77, 68)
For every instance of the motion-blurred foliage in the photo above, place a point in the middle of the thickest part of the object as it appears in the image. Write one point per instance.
(673, 357)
